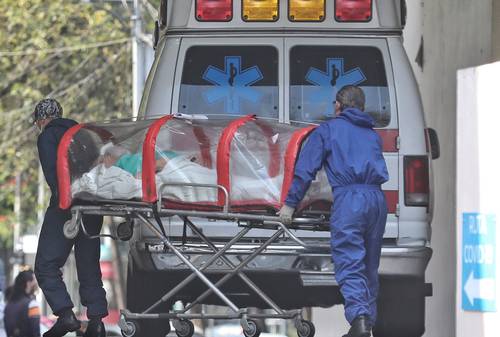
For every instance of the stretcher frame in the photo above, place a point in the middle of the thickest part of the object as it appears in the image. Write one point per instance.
(143, 213)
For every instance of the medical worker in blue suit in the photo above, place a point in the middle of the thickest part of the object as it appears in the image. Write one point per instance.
(351, 153)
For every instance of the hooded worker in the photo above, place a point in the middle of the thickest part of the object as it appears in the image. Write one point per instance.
(53, 247)
(351, 153)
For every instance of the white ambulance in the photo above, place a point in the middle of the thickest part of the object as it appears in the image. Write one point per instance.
(284, 60)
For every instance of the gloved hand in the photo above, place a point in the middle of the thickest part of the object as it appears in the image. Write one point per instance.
(286, 213)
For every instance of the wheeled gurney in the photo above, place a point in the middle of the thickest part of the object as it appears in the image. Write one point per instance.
(157, 158)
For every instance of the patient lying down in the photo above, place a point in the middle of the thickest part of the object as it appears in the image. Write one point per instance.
(118, 174)
(118, 177)
(108, 181)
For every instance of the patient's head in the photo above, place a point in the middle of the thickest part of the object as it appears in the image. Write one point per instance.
(111, 153)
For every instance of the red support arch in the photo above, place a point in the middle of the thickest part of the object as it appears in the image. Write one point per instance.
(224, 154)
(63, 174)
(291, 154)
(149, 193)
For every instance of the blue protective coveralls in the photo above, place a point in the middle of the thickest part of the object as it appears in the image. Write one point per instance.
(351, 153)
(53, 247)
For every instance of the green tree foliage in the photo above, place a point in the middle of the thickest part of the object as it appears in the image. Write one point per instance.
(74, 51)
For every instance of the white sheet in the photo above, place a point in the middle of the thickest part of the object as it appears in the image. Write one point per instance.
(109, 183)
(116, 183)
(182, 170)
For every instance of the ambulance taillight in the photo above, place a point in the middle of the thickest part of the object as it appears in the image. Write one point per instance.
(214, 10)
(306, 10)
(260, 10)
(416, 169)
(353, 10)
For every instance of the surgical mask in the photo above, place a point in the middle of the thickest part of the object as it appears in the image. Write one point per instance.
(38, 127)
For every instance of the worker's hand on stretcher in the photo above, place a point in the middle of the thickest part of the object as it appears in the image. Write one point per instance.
(286, 213)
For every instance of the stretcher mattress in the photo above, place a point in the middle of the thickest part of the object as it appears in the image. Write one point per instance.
(251, 158)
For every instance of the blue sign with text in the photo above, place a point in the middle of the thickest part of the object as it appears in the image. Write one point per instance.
(478, 262)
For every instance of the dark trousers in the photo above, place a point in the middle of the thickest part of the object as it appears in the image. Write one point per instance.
(53, 251)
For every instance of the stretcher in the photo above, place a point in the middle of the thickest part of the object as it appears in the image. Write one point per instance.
(234, 170)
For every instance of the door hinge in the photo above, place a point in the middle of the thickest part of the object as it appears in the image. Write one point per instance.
(398, 142)
(398, 210)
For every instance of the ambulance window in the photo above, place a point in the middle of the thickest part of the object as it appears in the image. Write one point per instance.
(318, 72)
(230, 80)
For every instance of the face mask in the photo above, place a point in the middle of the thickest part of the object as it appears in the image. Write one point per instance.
(38, 127)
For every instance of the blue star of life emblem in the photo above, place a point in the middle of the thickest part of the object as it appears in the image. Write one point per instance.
(333, 79)
(232, 84)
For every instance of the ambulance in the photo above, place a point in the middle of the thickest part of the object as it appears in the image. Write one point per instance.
(284, 60)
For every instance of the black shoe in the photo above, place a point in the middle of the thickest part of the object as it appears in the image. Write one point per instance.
(95, 329)
(359, 328)
(66, 323)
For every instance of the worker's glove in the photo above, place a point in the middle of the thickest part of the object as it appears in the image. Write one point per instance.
(286, 213)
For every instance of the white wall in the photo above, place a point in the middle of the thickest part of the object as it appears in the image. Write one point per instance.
(457, 34)
(477, 192)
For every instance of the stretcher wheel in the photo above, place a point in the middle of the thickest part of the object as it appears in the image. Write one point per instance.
(184, 328)
(125, 230)
(253, 329)
(71, 228)
(305, 329)
(132, 329)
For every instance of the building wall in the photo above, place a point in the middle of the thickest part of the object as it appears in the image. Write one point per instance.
(413, 34)
(496, 31)
(457, 34)
(477, 192)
